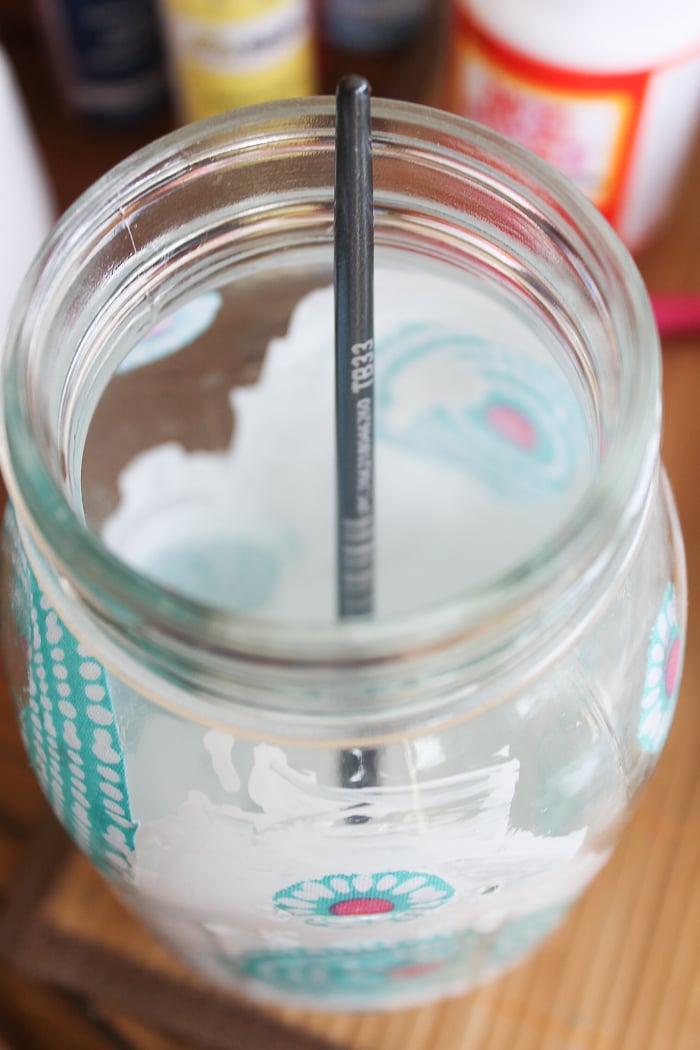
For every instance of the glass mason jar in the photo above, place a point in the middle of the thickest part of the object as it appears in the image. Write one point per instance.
(368, 813)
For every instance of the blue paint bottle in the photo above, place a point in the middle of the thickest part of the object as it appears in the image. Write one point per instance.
(108, 56)
(372, 25)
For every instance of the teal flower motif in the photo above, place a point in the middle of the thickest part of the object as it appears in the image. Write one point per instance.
(512, 422)
(230, 572)
(516, 939)
(662, 678)
(173, 332)
(386, 894)
(376, 970)
(369, 971)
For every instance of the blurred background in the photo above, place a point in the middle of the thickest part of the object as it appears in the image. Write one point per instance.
(607, 92)
(98, 78)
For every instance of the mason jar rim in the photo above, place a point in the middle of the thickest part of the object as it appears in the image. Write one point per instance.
(129, 603)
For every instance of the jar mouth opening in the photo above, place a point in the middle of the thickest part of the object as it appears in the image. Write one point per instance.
(130, 604)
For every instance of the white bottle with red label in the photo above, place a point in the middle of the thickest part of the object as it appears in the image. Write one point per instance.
(608, 91)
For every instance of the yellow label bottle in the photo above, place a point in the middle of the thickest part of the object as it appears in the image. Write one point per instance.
(229, 53)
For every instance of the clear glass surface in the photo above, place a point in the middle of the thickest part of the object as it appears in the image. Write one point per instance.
(359, 814)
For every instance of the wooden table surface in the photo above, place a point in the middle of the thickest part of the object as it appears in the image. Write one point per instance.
(624, 973)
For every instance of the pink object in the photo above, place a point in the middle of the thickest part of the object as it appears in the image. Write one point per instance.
(673, 664)
(512, 425)
(362, 906)
(420, 970)
(677, 315)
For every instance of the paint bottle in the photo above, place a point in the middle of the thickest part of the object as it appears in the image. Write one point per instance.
(108, 56)
(372, 25)
(396, 44)
(230, 53)
(608, 92)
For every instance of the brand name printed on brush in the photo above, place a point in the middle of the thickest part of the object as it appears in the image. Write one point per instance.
(364, 456)
(362, 373)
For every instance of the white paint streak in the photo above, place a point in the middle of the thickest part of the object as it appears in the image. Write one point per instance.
(220, 747)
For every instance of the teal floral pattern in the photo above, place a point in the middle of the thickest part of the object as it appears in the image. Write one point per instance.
(68, 725)
(515, 424)
(376, 970)
(387, 894)
(662, 679)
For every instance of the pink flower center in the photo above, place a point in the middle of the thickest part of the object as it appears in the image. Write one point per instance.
(420, 970)
(362, 906)
(672, 666)
(513, 425)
